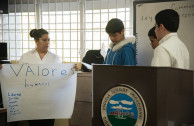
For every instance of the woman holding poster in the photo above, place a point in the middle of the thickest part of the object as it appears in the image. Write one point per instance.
(40, 55)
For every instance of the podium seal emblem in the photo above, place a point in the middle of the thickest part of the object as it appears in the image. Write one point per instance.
(123, 105)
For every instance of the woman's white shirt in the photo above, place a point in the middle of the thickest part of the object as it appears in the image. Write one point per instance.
(32, 57)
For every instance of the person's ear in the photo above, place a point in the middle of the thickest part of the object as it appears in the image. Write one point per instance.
(123, 31)
(162, 27)
(36, 42)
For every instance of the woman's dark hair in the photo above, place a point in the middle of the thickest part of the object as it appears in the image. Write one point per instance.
(152, 32)
(37, 33)
(114, 25)
(169, 18)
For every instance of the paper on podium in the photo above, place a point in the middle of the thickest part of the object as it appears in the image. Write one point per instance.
(88, 66)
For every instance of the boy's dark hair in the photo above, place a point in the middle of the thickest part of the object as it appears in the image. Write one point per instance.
(37, 33)
(114, 25)
(152, 32)
(169, 18)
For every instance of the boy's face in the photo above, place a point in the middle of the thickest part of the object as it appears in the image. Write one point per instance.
(154, 42)
(117, 37)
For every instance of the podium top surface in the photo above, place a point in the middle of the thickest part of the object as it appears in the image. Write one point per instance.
(84, 74)
(137, 67)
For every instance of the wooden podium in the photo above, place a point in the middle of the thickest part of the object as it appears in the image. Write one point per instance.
(167, 92)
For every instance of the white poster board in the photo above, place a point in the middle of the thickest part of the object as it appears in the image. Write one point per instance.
(32, 91)
(145, 20)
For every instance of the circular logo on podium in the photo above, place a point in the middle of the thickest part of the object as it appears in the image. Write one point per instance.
(122, 105)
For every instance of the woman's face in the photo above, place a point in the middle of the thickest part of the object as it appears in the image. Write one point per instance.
(43, 42)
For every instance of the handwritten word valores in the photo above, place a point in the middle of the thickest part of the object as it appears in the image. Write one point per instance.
(40, 71)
